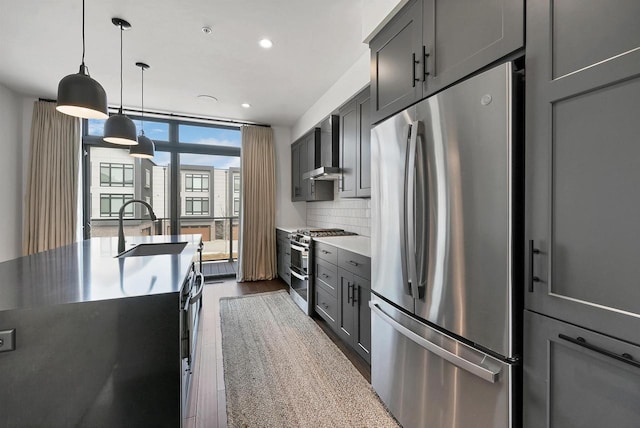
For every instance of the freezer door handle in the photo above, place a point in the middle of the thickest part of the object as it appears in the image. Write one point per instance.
(410, 210)
(481, 372)
(404, 246)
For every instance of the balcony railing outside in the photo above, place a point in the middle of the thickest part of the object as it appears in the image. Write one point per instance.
(219, 234)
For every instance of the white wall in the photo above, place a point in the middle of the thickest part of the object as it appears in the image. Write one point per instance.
(376, 13)
(11, 174)
(351, 82)
(287, 213)
(352, 214)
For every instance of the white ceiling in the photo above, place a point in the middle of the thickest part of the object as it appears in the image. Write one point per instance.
(315, 42)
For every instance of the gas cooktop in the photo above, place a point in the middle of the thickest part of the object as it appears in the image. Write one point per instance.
(318, 233)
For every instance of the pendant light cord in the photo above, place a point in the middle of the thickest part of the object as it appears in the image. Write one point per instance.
(121, 31)
(83, 33)
(142, 120)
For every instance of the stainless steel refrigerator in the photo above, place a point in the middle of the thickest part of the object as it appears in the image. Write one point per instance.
(446, 217)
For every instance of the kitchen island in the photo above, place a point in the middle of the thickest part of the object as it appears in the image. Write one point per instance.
(97, 338)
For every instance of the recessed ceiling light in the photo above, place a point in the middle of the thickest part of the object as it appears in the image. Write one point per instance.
(246, 105)
(206, 30)
(266, 43)
(210, 98)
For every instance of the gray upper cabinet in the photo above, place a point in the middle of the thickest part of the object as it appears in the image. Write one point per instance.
(582, 151)
(462, 36)
(305, 156)
(296, 176)
(395, 82)
(431, 44)
(348, 143)
(363, 149)
(355, 147)
(575, 378)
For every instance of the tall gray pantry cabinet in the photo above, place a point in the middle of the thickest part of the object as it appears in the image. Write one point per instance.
(582, 324)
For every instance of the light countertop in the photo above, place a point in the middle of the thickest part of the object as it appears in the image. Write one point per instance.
(88, 271)
(290, 229)
(354, 243)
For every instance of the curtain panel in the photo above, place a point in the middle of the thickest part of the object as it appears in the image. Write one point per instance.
(52, 186)
(257, 258)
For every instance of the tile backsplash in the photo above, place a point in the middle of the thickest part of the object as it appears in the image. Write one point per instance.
(352, 214)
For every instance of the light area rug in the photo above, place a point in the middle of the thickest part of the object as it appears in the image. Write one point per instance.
(281, 370)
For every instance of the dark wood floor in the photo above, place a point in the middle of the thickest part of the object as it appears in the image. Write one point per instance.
(207, 405)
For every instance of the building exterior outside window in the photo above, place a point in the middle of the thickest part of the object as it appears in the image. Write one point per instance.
(206, 197)
(196, 182)
(116, 174)
(196, 191)
(236, 206)
(110, 204)
(197, 206)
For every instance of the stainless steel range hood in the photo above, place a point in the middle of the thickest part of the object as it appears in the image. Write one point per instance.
(324, 173)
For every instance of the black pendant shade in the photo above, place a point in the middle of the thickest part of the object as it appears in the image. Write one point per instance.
(79, 95)
(146, 148)
(119, 129)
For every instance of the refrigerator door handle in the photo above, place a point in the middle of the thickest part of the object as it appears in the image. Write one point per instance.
(481, 372)
(405, 252)
(410, 210)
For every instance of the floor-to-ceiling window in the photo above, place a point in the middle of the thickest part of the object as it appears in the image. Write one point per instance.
(192, 183)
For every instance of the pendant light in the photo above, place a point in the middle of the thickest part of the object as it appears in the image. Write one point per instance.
(119, 129)
(145, 148)
(79, 95)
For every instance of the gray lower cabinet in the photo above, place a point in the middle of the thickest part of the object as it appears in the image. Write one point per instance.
(354, 314)
(576, 378)
(431, 44)
(355, 146)
(343, 291)
(325, 281)
(582, 229)
(283, 252)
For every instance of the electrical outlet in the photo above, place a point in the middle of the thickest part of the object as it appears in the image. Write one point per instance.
(8, 340)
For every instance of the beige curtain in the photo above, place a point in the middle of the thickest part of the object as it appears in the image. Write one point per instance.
(257, 259)
(50, 206)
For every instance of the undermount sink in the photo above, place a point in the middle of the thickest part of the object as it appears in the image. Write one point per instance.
(154, 249)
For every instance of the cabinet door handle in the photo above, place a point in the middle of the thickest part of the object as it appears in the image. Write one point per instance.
(425, 55)
(352, 263)
(325, 252)
(349, 292)
(355, 300)
(532, 278)
(414, 79)
(580, 341)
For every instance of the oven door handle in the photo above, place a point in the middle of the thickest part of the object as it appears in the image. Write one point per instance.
(299, 248)
(300, 277)
(198, 295)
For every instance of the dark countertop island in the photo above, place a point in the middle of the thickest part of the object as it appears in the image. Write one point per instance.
(99, 339)
(89, 271)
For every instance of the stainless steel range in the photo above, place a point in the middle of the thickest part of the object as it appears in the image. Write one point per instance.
(301, 269)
